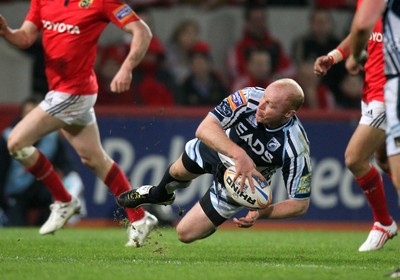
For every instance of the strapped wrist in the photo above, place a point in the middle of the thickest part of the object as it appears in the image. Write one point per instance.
(336, 55)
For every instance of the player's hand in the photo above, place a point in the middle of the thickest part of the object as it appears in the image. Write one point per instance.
(245, 170)
(3, 26)
(322, 65)
(121, 82)
(248, 221)
(352, 66)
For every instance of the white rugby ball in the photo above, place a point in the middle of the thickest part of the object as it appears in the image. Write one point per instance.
(261, 198)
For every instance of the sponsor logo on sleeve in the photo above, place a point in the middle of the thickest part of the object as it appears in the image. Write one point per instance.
(123, 13)
(224, 109)
(237, 100)
(304, 184)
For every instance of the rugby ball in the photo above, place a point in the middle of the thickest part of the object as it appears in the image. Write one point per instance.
(261, 198)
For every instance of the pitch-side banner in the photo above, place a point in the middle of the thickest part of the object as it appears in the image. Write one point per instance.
(144, 147)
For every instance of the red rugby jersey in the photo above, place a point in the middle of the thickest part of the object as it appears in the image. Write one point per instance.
(71, 29)
(374, 67)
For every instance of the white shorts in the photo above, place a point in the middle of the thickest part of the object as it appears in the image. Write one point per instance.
(373, 114)
(70, 108)
(393, 116)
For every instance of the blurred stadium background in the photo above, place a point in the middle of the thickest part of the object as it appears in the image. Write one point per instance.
(144, 141)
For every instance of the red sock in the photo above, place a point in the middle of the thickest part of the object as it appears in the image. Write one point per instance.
(372, 186)
(43, 170)
(118, 183)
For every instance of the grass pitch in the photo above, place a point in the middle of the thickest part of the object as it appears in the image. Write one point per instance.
(76, 253)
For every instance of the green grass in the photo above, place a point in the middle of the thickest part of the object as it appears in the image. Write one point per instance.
(75, 253)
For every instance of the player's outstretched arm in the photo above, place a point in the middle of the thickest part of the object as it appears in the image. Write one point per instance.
(214, 136)
(141, 36)
(364, 20)
(23, 37)
(281, 210)
(324, 63)
(248, 221)
(285, 209)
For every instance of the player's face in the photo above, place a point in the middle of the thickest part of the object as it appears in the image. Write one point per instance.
(273, 108)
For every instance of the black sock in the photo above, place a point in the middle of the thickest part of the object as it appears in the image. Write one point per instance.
(159, 192)
(165, 189)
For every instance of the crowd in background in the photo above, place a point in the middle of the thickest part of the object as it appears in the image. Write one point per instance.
(181, 70)
(212, 4)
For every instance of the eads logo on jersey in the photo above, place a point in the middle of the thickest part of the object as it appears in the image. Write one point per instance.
(85, 3)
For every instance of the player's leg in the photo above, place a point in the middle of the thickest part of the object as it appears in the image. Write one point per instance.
(394, 162)
(36, 124)
(195, 225)
(358, 154)
(86, 142)
(203, 219)
(392, 95)
(56, 111)
(179, 175)
(382, 159)
(361, 147)
(367, 139)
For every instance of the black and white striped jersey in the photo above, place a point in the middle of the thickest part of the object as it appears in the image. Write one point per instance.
(391, 26)
(286, 147)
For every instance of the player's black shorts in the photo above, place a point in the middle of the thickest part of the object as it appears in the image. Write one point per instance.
(208, 208)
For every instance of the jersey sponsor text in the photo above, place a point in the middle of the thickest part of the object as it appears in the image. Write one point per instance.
(60, 27)
(376, 37)
(257, 146)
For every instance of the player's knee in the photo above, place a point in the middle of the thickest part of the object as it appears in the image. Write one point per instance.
(382, 162)
(178, 172)
(384, 165)
(93, 159)
(13, 145)
(351, 160)
(184, 239)
(184, 234)
(17, 149)
(89, 162)
(22, 153)
(395, 177)
(395, 174)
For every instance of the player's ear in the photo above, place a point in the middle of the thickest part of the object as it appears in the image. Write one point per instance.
(290, 113)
